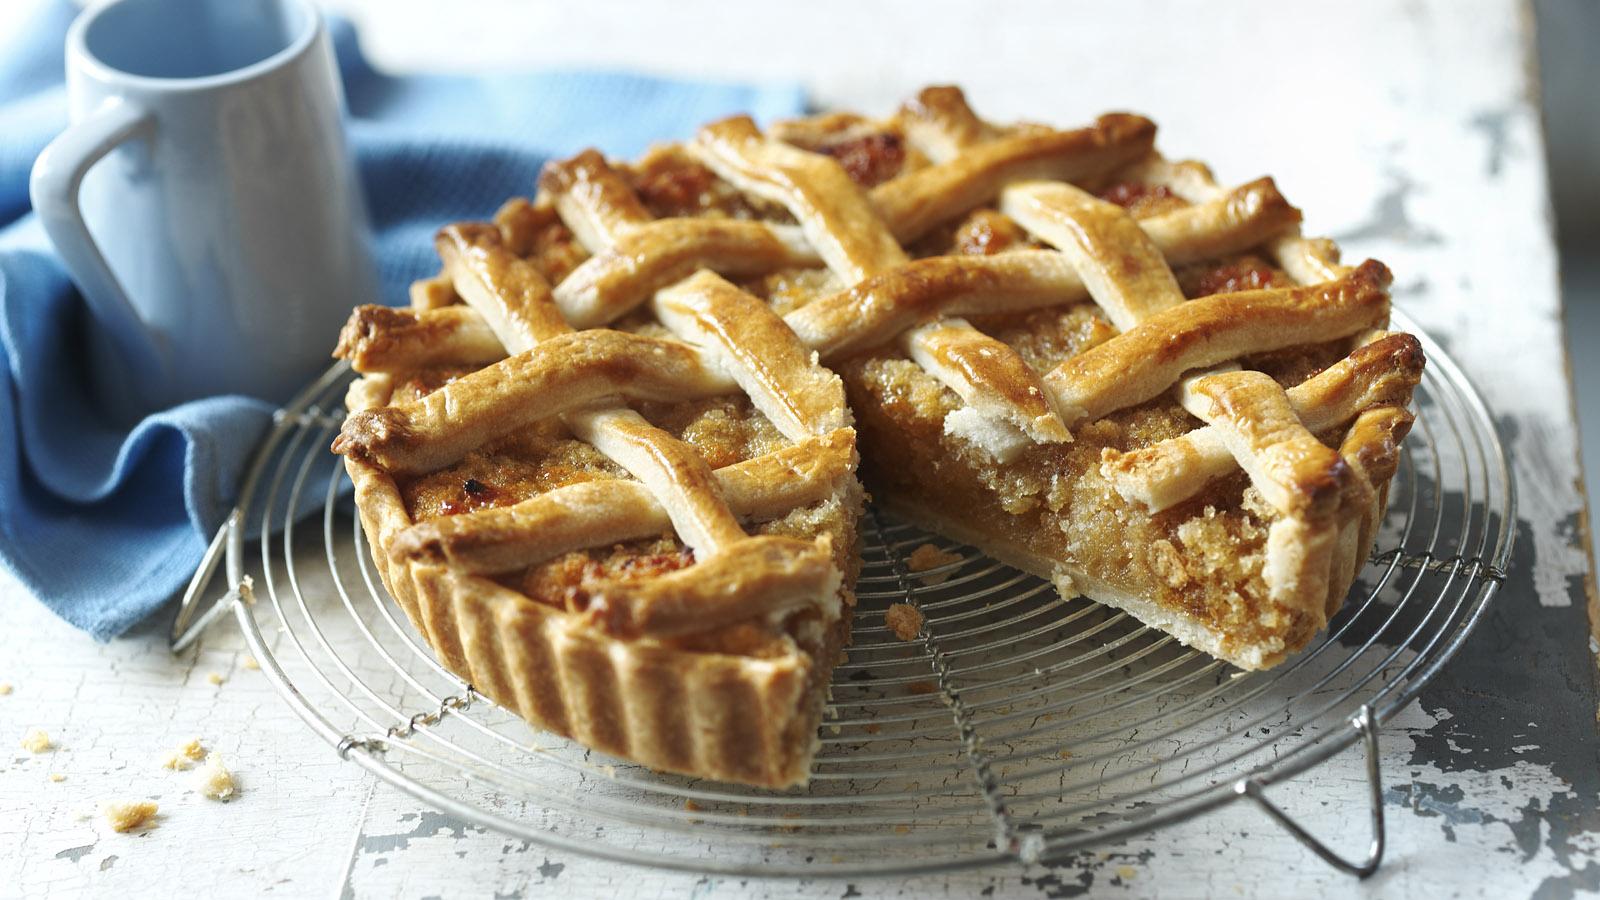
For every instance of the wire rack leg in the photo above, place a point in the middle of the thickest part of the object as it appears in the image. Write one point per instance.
(1255, 788)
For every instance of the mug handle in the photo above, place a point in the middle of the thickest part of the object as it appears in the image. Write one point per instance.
(53, 187)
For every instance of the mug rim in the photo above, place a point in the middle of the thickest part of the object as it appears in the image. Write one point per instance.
(78, 54)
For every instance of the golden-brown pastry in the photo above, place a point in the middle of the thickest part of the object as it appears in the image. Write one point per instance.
(610, 479)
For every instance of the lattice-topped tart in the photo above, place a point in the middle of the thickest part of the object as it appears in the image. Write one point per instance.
(638, 528)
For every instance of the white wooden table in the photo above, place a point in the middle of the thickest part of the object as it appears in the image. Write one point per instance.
(1409, 132)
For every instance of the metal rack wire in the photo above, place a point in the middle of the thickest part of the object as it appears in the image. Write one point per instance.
(1017, 726)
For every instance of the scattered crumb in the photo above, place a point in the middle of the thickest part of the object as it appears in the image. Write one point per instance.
(1126, 872)
(185, 754)
(215, 677)
(928, 557)
(247, 590)
(57, 777)
(904, 620)
(691, 806)
(215, 781)
(35, 740)
(126, 815)
(249, 662)
(922, 687)
(1065, 754)
(873, 728)
(5, 688)
(902, 829)
(610, 770)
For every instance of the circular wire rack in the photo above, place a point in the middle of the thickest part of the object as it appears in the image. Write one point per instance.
(1017, 726)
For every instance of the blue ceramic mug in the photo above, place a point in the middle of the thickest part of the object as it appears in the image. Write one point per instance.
(204, 198)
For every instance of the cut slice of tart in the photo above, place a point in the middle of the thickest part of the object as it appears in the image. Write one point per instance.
(639, 542)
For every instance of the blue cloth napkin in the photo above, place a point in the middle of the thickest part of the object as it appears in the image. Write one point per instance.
(105, 525)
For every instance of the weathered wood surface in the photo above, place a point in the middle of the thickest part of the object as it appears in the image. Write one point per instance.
(1409, 132)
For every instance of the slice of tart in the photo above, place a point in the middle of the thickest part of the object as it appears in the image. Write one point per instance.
(639, 542)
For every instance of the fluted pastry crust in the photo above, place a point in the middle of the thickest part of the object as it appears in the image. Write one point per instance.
(1149, 388)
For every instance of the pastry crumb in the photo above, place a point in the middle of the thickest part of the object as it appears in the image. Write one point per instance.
(249, 662)
(36, 740)
(873, 728)
(928, 557)
(691, 806)
(922, 687)
(215, 781)
(126, 815)
(902, 829)
(1065, 754)
(57, 777)
(184, 755)
(247, 590)
(904, 620)
(1126, 872)
(215, 677)
(5, 688)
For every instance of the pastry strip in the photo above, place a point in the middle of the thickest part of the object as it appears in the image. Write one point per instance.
(1296, 473)
(939, 122)
(915, 202)
(1147, 359)
(386, 339)
(836, 217)
(1123, 270)
(757, 576)
(634, 255)
(752, 344)
(510, 294)
(563, 374)
(996, 384)
(617, 279)
(1164, 474)
(671, 470)
(597, 513)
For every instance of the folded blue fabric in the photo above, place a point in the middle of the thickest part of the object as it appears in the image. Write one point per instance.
(104, 525)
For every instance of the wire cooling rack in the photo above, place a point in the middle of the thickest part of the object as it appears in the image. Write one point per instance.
(1017, 726)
